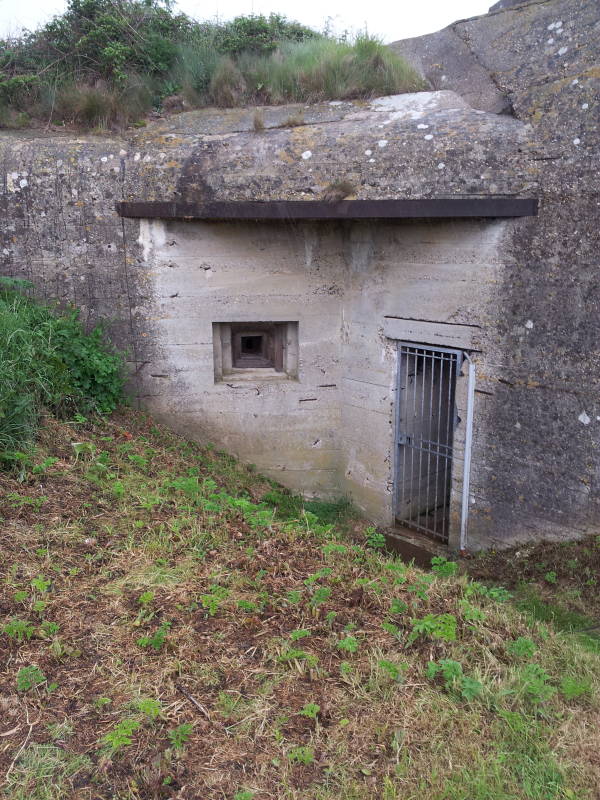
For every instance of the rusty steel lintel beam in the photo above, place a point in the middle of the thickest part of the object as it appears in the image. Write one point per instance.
(282, 210)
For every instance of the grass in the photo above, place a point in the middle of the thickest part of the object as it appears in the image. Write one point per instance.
(184, 627)
(47, 360)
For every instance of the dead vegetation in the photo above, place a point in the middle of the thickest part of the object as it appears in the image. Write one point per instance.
(176, 626)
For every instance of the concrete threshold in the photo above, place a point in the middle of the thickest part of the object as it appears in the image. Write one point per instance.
(413, 546)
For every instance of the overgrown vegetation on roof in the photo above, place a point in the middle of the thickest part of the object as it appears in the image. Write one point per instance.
(175, 625)
(108, 62)
(48, 362)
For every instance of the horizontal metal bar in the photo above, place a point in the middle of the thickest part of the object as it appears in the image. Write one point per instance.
(281, 210)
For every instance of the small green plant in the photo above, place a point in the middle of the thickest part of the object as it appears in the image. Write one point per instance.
(442, 567)
(375, 540)
(19, 629)
(146, 598)
(50, 628)
(535, 684)
(148, 706)
(243, 794)
(301, 755)
(398, 606)
(497, 593)
(349, 644)
(29, 677)
(346, 669)
(40, 584)
(295, 654)
(391, 669)
(572, 688)
(436, 626)
(324, 572)
(157, 640)
(120, 736)
(550, 577)
(392, 629)
(301, 633)
(310, 710)
(214, 599)
(40, 469)
(293, 597)
(180, 735)
(320, 596)
(522, 647)
(469, 612)
(454, 679)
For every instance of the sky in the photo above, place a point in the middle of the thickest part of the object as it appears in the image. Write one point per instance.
(392, 20)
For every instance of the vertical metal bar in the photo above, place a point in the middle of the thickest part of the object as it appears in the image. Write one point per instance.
(422, 429)
(447, 453)
(430, 435)
(464, 517)
(412, 447)
(439, 433)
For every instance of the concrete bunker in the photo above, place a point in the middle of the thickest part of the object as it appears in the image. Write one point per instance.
(517, 295)
(328, 370)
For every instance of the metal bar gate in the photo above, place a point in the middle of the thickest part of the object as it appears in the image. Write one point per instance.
(426, 418)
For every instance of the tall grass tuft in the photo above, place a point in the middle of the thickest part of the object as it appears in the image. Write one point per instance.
(47, 360)
(325, 69)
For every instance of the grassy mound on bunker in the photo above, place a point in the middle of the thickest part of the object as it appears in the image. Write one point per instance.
(176, 626)
(108, 63)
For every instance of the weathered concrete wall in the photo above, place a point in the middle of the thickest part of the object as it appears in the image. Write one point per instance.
(537, 469)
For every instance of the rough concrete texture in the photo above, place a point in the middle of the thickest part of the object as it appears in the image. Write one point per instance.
(536, 465)
(527, 288)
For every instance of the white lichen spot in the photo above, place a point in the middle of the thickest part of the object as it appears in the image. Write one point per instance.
(558, 24)
(23, 183)
(441, 165)
(371, 161)
(583, 418)
(428, 137)
(306, 155)
(368, 152)
(137, 156)
(529, 324)
(575, 82)
(382, 143)
(562, 51)
(518, 426)
(104, 159)
(111, 156)
(551, 26)
(443, 78)
(422, 126)
(585, 106)
(576, 141)
(550, 41)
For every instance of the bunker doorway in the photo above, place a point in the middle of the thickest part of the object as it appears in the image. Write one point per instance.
(426, 419)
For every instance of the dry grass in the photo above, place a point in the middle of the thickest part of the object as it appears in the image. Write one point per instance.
(166, 586)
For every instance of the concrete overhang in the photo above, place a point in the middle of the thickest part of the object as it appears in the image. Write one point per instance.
(314, 210)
